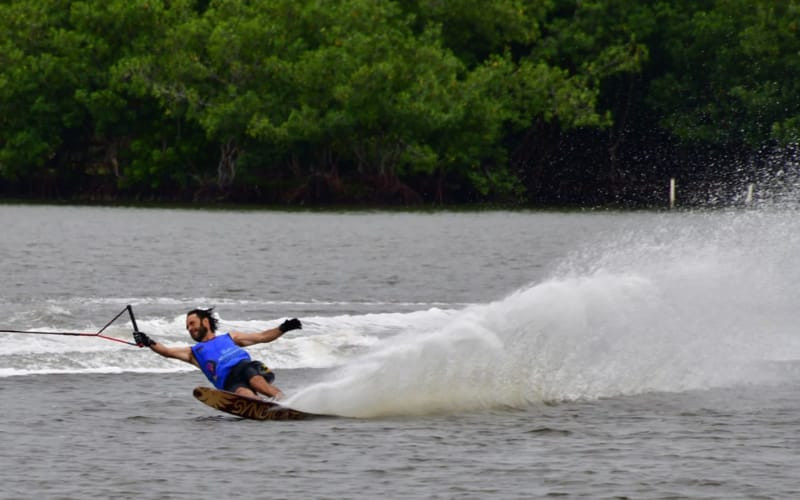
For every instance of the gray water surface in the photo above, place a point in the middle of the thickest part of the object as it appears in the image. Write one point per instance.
(667, 367)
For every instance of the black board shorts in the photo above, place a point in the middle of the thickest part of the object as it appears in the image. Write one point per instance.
(242, 372)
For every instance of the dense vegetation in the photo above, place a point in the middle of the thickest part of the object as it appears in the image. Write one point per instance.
(378, 101)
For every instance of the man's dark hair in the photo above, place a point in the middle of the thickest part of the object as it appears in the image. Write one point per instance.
(205, 314)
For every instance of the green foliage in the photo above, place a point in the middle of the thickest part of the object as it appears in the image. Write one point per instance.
(597, 38)
(475, 29)
(153, 97)
(734, 73)
(61, 106)
(34, 87)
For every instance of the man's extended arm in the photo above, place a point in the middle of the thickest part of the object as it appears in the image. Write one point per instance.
(181, 353)
(246, 339)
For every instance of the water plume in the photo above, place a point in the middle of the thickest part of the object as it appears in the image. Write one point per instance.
(695, 301)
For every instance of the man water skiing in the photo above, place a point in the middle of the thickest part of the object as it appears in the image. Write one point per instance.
(221, 357)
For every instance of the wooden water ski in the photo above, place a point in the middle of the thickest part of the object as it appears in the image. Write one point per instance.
(246, 407)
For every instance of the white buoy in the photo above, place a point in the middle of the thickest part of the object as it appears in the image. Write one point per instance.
(748, 200)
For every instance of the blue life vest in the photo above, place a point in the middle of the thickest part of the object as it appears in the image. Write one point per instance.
(217, 356)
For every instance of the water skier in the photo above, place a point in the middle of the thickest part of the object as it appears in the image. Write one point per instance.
(221, 357)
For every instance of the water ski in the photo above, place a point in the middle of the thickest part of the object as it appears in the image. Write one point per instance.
(246, 407)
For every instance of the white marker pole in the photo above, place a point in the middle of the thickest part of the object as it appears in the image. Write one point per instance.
(748, 200)
(672, 193)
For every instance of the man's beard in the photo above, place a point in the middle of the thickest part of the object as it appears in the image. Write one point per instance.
(201, 333)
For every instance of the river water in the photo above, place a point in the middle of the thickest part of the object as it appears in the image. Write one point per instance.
(468, 355)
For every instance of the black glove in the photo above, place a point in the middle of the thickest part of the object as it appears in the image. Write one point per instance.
(142, 339)
(290, 324)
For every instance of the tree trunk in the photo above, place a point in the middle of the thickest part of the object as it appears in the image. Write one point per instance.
(226, 170)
